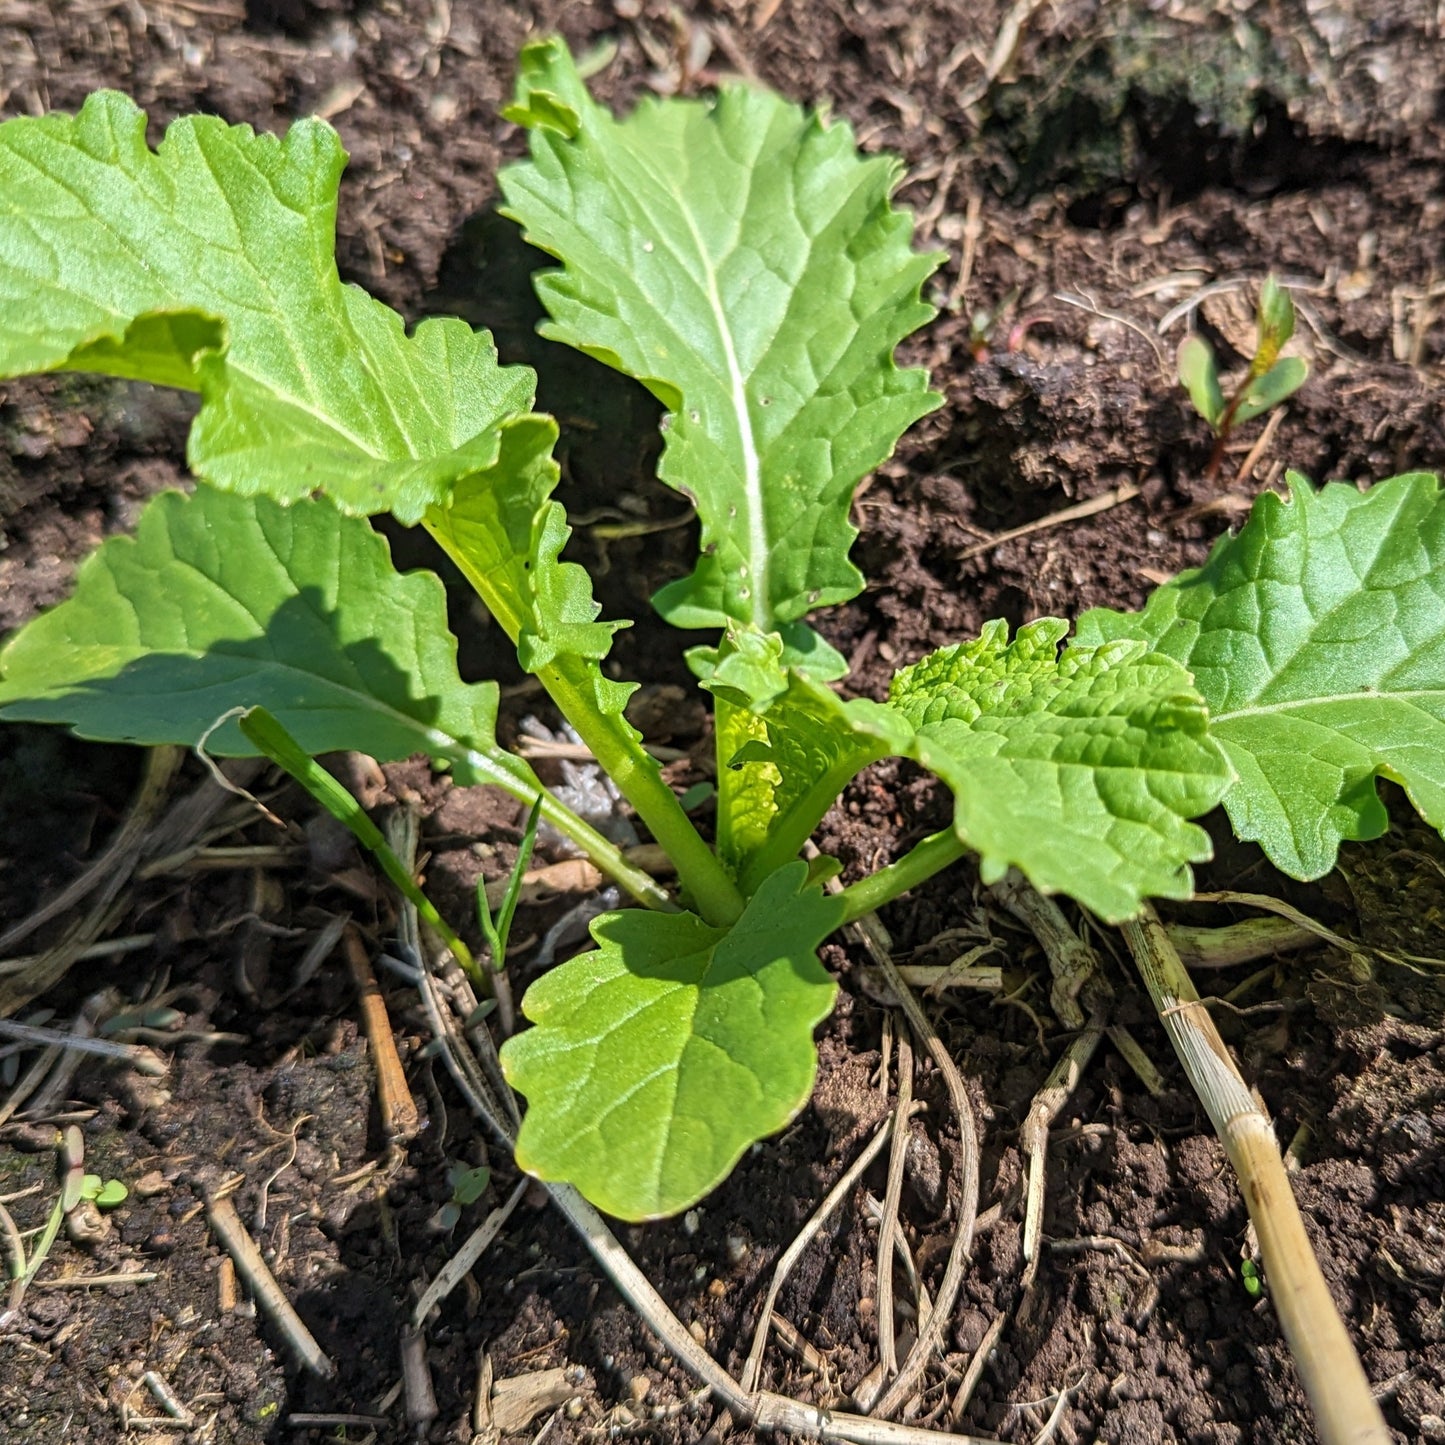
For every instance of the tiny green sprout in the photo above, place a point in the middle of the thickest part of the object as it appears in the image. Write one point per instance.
(1269, 381)
(1253, 1280)
(105, 1194)
(697, 796)
(468, 1186)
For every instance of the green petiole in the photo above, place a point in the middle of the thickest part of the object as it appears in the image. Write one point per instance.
(272, 739)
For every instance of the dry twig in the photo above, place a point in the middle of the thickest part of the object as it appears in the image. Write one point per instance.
(399, 1117)
(1329, 1369)
(226, 1225)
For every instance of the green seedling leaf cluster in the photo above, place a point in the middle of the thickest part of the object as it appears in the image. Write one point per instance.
(744, 261)
(1270, 378)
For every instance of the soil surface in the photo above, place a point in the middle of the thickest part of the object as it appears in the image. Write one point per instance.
(1087, 168)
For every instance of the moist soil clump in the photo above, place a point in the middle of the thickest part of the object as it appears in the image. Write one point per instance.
(1088, 170)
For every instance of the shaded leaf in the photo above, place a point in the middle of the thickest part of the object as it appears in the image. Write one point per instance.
(222, 602)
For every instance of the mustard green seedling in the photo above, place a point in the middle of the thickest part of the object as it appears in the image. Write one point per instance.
(741, 259)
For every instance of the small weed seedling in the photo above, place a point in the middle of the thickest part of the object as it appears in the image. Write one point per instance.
(1270, 379)
(468, 1186)
(743, 261)
(77, 1189)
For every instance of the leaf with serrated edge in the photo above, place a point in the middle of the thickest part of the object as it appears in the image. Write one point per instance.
(222, 601)
(741, 260)
(1080, 768)
(657, 1058)
(1317, 638)
(209, 264)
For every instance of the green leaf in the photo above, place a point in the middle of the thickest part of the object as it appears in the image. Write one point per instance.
(208, 264)
(1079, 768)
(660, 1056)
(110, 1194)
(1282, 380)
(1200, 377)
(222, 602)
(1317, 637)
(742, 260)
(468, 1185)
(1274, 316)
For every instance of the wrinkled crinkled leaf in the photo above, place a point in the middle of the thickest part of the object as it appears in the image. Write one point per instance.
(208, 264)
(1317, 637)
(1080, 768)
(222, 601)
(657, 1058)
(742, 260)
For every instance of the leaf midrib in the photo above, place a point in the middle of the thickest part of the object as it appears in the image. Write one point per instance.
(1373, 695)
(758, 578)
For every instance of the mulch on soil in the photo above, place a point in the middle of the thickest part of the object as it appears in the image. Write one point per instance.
(1084, 181)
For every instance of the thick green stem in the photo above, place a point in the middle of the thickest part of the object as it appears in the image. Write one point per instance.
(618, 750)
(636, 775)
(916, 866)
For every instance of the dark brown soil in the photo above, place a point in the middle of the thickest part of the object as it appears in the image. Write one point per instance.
(1118, 159)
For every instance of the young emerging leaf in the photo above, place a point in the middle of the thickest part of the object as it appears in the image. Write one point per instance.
(1200, 377)
(657, 1058)
(208, 264)
(1317, 637)
(742, 261)
(222, 602)
(1080, 768)
(1282, 380)
(1274, 317)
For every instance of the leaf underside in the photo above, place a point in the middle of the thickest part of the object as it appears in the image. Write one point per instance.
(657, 1058)
(741, 260)
(208, 264)
(222, 601)
(1317, 638)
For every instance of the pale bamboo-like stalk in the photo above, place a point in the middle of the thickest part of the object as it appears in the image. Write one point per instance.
(1334, 1381)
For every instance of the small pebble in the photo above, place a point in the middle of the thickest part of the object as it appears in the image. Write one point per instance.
(149, 1185)
(696, 1330)
(638, 1388)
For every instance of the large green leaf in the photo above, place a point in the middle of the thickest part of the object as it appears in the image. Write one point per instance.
(222, 601)
(1080, 768)
(742, 260)
(209, 264)
(1317, 637)
(657, 1058)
